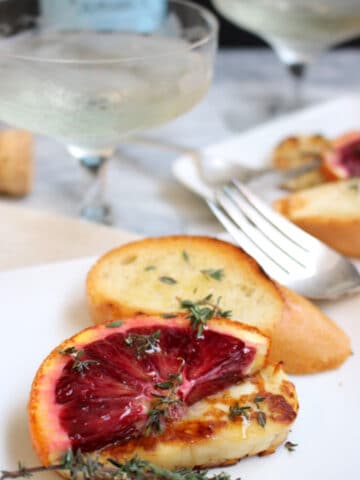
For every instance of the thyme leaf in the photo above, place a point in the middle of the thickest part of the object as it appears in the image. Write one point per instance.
(116, 323)
(169, 315)
(214, 274)
(290, 446)
(258, 400)
(149, 268)
(185, 256)
(354, 187)
(164, 385)
(69, 351)
(261, 419)
(167, 280)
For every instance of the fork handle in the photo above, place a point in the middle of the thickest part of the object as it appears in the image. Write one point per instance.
(353, 291)
(279, 176)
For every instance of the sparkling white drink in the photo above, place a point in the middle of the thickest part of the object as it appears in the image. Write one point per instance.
(297, 29)
(139, 82)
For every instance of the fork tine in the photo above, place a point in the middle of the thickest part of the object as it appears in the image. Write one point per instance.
(256, 236)
(286, 245)
(270, 266)
(291, 231)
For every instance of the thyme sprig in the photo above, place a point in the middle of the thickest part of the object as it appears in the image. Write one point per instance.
(159, 413)
(79, 465)
(144, 343)
(237, 411)
(79, 365)
(201, 311)
(160, 410)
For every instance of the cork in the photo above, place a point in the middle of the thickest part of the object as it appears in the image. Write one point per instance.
(16, 162)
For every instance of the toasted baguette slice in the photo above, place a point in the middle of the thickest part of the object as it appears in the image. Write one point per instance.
(207, 437)
(298, 150)
(330, 212)
(135, 279)
(122, 283)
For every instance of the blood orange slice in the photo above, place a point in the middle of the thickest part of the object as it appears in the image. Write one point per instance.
(343, 161)
(112, 383)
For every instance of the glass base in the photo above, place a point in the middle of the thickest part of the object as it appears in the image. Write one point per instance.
(94, 164)
(97, 214)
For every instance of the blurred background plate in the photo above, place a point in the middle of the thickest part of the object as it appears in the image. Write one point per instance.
(253, 147)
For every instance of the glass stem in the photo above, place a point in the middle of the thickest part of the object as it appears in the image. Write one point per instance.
(94, 206)
(297, 72)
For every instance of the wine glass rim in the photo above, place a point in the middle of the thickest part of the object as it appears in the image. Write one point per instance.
(210, 18)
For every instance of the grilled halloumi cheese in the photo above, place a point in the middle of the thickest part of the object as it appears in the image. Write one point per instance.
(253, 417)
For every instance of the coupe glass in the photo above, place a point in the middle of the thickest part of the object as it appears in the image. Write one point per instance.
(89, 87)
(298, 30)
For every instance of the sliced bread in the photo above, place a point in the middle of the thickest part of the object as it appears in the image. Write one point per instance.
(298, 150)
(330, 212)
(154, 275)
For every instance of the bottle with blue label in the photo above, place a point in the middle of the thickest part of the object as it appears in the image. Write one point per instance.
(143, 16)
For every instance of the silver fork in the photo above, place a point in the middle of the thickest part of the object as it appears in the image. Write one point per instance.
(288, 254)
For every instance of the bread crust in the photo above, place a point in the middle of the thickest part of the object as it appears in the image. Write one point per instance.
(341, 234)
(305, 339)
(16, 162)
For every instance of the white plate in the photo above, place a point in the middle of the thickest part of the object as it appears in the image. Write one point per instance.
(252, 148)
(42, 306)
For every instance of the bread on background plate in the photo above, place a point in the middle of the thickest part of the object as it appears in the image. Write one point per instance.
(330, 212)
(154, 275)
(298, 150)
